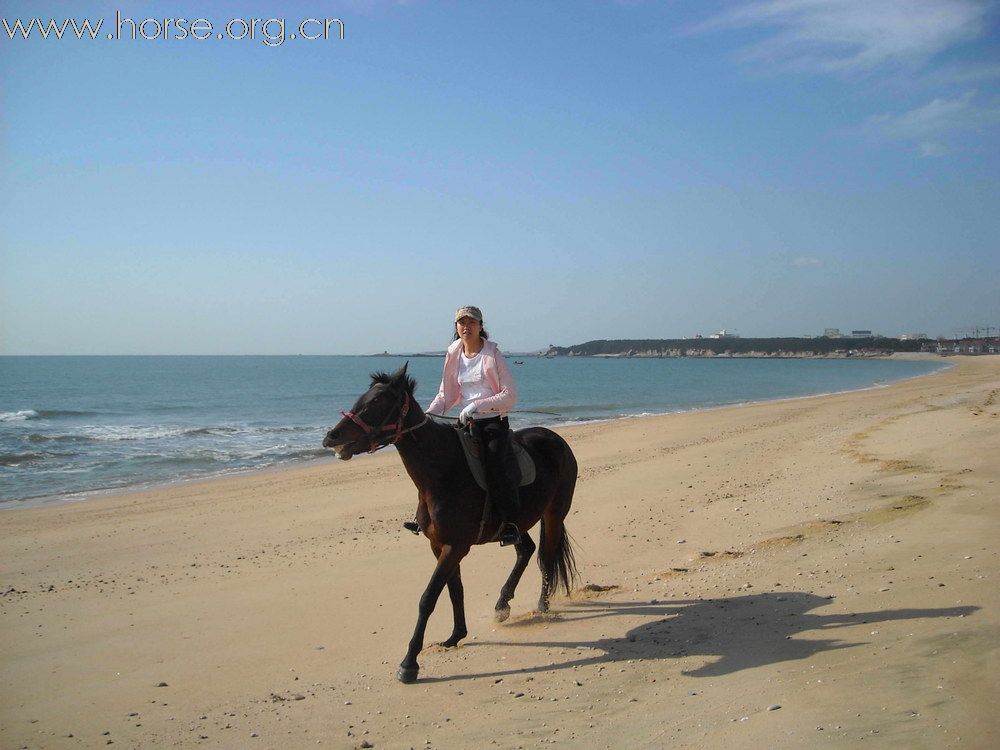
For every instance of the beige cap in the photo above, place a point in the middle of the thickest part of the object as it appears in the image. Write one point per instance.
(468, 312)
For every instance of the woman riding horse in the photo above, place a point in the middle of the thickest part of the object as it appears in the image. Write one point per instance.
(452, 509)
(476, 377)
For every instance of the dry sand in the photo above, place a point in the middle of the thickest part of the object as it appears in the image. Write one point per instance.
(818, 572)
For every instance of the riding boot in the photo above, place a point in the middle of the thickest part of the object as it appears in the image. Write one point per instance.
(412, 526)
(508, 507)
(494, 436)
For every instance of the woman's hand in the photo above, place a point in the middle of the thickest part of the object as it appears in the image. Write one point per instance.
(465, 415)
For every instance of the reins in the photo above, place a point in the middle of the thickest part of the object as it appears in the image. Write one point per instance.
(514, 411)
(372, 433)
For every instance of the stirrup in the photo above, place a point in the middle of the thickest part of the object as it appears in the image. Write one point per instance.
(509, 534)
(412, 527)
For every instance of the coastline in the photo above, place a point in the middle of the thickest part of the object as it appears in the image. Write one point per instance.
(784, 553)
(746, 355)
(88, 495)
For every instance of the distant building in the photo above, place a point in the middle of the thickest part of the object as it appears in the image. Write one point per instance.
(831, 333)
(978, 346)
(724, 334)
(969, 346)
(913, 337)
(861, 334)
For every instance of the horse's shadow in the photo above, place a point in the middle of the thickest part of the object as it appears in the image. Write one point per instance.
(738, 633)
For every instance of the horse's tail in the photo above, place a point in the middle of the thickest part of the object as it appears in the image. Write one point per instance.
(557, 464)
(556, 560)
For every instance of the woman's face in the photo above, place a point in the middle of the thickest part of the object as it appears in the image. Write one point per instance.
(468, 329)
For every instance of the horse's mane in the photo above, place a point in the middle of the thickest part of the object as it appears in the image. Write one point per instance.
(385, 378)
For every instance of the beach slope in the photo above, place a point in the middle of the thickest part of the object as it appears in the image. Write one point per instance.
(806, 573)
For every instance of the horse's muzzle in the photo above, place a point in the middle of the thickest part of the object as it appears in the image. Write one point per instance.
(334, 440)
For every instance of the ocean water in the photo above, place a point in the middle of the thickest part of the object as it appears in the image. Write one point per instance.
(73, 426)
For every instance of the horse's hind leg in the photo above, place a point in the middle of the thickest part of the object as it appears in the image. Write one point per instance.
(524, 548)
(457, 595)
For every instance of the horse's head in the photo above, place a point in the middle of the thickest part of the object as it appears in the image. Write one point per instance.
(377, 417)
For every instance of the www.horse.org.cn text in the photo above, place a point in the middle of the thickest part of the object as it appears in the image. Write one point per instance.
(268, 31)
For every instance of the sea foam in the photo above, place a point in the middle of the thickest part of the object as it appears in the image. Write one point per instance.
(18, 416)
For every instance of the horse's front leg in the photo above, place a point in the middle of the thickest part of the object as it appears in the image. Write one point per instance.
(447, 564)
(525, 547)
(457, 595)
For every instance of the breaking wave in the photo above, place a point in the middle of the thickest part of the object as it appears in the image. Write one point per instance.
(18, 416)
(25, 414)
(16, 459)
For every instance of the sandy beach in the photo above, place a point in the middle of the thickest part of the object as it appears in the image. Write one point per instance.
(818, 572)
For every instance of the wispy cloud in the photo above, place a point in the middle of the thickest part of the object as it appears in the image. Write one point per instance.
(919, 41)
(966, 73)
(851, 35)
(931, 149)
(805, 261)
(929, 125)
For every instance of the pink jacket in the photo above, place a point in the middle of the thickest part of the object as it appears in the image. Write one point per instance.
(497, 375)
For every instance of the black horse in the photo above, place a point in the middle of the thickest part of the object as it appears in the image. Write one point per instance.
(452, 509)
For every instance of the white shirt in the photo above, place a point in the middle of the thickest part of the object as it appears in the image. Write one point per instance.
(470, 379)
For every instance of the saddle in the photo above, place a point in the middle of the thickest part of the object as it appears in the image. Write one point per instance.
(520, 469)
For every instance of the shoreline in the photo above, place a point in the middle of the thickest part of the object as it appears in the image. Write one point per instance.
(774, 574)
(292, 464)
(746, 355)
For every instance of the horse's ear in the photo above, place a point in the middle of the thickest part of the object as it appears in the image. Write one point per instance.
(399, 377)
(402, 381)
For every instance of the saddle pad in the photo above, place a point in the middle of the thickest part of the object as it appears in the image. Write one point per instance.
(471, 448)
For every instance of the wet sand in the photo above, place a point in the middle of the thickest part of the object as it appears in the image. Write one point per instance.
(819, 572)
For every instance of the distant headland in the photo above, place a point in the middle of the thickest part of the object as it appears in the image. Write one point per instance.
(821, 346)
(729, 345)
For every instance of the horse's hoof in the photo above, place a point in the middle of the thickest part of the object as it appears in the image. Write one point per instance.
(501, 614)
(453, 641)
(407, 675)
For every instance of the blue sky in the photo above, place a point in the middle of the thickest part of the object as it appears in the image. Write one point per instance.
(580, 170)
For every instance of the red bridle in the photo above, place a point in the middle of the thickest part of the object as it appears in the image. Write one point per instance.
(372, 433)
